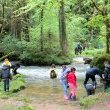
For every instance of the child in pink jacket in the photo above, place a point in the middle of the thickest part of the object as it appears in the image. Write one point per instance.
(71, 79)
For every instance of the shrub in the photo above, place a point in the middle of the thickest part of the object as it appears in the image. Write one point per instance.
(44, 58)
(99, 60)
(93, 52)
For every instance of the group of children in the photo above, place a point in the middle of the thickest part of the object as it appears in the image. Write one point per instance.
(68, 80)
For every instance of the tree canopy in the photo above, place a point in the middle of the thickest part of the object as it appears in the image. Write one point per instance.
(46, 31)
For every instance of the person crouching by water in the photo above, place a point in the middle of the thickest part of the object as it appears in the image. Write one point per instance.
(91, 73)
(71, 79)
(53, 74)
(63, 81)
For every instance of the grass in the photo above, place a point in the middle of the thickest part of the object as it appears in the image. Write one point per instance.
(17, 84)
(42, 93)
(87, 102)
(26, 107)
(93, 52)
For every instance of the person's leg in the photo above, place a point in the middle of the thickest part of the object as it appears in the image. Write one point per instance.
(4, 85)
(7, 85)
(72, 91)
(53, 82)
(93, 79)
(86, 79)
(109, 84)
(64, 87)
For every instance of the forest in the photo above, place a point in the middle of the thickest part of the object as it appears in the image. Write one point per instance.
(36, 34)
(46, 31)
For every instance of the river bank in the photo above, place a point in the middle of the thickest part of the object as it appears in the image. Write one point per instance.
(40, 95)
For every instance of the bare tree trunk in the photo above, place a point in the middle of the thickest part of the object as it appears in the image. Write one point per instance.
(26, 27)
(50, 40)
(41, 40)
(107, 23)
(18, 29)
(3, 17)
(62, 29)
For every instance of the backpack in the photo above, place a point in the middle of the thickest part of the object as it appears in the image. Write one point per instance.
(53, 74)
(5, 73)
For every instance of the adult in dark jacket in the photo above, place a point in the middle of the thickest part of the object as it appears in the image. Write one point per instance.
(14, 67)
(90, 74)
(6, 77)
(107, 75)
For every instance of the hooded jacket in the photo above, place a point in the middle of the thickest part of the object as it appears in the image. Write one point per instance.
(5, 74)
(71, 78)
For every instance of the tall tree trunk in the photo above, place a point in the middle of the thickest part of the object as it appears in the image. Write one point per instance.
(50, 40)
(41, 40)
(107, 24)
(26, 27)
(3, 17)
(18, 29)
(62, 29)
(26, 23)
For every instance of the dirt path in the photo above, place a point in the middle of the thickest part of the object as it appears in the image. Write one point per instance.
(101, 106)
(44, 97)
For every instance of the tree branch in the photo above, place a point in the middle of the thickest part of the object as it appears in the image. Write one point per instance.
(94, 3)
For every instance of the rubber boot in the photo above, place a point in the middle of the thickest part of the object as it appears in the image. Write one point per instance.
(69, 97)
(73, 98)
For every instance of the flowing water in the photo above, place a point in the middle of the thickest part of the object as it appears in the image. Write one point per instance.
(40, 73)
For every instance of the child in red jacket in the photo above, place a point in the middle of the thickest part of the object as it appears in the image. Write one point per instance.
(71, 79)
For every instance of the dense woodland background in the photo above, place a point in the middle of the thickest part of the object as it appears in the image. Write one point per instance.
(46, 31)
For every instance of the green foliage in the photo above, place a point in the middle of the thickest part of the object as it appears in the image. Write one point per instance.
(18, 83)
(87, 102)
(84, 23)
(44, 58)
(99, 60)
(77, 31)
(93, 52)
(8, 44)
(108, 90)
(96, 21)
